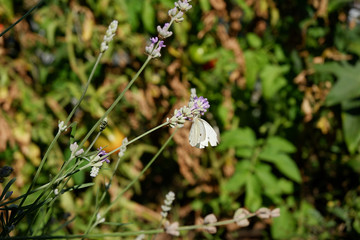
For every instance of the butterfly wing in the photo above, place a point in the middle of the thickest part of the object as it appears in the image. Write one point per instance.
(197, 133)
(211, 136)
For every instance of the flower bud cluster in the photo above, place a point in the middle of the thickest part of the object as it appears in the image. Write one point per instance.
(164, 31)
(241, 217)
(265, 213)
(74, 151)
(176, 14)
(154, 48)
(110, 33)
(169, 198)
(62, 126)
(197, 106)
(183, 5)
(172, 228)
(97, 162)
(210, 219)
(99, 219)
(123, 147)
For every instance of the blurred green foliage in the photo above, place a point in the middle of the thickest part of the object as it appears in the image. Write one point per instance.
(282, 81)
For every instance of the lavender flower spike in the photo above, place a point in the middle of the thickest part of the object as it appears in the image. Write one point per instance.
(109, 35)
(199, 105)
(150, 49)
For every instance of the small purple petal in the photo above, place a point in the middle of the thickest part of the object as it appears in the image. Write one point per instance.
(103, 153)
(154, 39)
(161, 44)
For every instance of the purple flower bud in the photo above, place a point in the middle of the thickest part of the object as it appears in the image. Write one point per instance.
(103, 153)
(161, 44)
(154, 40)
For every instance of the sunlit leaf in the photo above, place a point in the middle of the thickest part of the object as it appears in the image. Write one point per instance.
(241, 137)
(283, 163)
(283, 227)
(253, 197)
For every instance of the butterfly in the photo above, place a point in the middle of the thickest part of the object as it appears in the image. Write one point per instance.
(201, 134)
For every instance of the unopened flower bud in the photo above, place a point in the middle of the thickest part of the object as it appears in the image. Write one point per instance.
(62, 126)
(103, 124)
(275, 213)
(241, 216)
(164, 31)
(172, 229)
(263, 213)
(183, 5)
(209, 219)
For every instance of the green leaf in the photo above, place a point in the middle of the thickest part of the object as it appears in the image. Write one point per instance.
(244, 152)
(285, 186)
(351, 124)
(133, 9)
(254, 40)
(148, 16)
(253, 198)
(252, 69)
(348, 84)
(239, 178)
(272, 79)
(280, 144)
(197, 204)
(284, 164)
(268, 181)
(241, 137)
(255, 61)
(283, 226)
(205, 5)
(356, 225)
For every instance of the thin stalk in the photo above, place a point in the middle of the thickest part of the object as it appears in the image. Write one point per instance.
(85, 89)
(20, 19)
(135, 139)
(43, 160)
(93, 142)
(115, 102)
(131, 233)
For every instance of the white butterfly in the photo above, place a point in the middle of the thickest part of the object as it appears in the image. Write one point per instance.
(201, 134)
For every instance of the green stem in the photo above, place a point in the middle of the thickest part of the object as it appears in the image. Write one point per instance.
(131, 233)
(85, 90)
(135, 139)
(93, 142)
(141, 173)
(20, 19)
